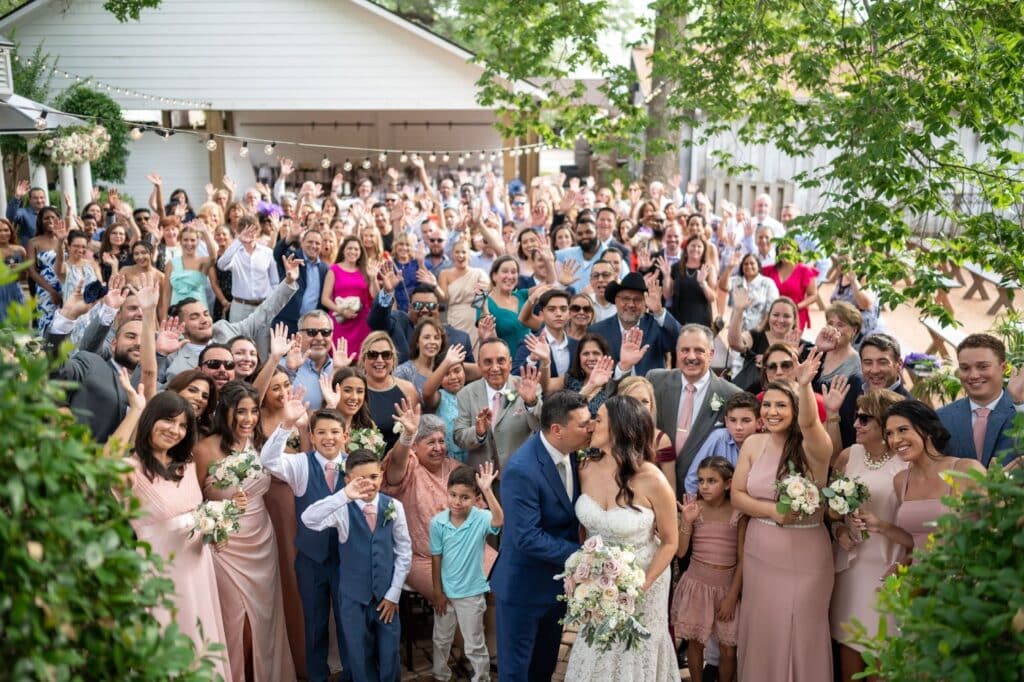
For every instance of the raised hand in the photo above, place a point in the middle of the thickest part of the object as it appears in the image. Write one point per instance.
(341, 357)
(483, 421)
(529, 385)
(538, 346)
(147, 292)
(22, 189)
(690, 509)
(291, 268)
(287, 166)
(424, 276)
(408, 417)
(210, 191)
(643, 258)
(115, 291)
(653, 297)
(740, 298)
(704, 273)
(485, 477)
(170, 338)
(280, 344)
(229, 184)
(155, 179)
(455, 355)
(136, 396)
(808, 369)
(360, 489)
(389, 276)
(331, 396)
(294, 408)
(631, 352)
(486, 328)
(663, 267)
(295, 357)
(835, 394)
(602, 372)
(792, 338)
(827, 338)
(566, 271)
(74, 306)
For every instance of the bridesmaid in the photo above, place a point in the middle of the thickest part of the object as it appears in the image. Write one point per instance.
(349, 278)
(42, 254)
(860, 565)
(787, 559)
(13, 254)
(459, 285)
(248, 578)
(346, 392)
(163, 478)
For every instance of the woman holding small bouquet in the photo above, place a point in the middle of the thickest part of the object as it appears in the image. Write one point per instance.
(787, 557)
(626, 500)
(248, 578)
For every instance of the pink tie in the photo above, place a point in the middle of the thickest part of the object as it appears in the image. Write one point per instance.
(685, 416)
(980, 425)
(495, 408)
(331, 474)
(370, 512)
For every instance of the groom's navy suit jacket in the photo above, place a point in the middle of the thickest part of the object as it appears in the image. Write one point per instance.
(541, 529)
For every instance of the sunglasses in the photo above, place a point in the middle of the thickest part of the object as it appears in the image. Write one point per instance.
(519, 203)
(311, 333)
(379, 354)
(580, 309)
(217, 364)
(785, 366)
(436, 241)
(863, 419)
(420, 306)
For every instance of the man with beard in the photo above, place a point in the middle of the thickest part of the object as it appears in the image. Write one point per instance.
(216, 362)
(588, 249)
(313, 357)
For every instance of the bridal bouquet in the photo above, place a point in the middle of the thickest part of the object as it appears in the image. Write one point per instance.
(797, 493)
(235, 469)
(845, 495)
(603, 588)
(215, 521)
(366, 439)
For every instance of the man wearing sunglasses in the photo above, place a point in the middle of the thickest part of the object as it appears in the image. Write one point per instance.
(217, 363)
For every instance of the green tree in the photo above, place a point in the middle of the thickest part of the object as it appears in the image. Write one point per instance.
(32, 76)
(79, 99)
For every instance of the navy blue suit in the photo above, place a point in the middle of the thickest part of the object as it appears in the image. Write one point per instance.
(291, 313)
(398, 325)
(956, 417)
(522, 353)
(661, 338)
(540, 533)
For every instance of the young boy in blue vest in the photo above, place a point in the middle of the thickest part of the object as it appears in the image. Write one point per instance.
(457, 537)
(375, 554)
(313, 476)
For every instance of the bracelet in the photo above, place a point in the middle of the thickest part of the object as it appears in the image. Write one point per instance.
(834, 419)
(406, 439)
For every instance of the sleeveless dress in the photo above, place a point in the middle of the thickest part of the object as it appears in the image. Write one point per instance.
(918, 517)
(224, 282)
(461, 313)
(11, 293)
(45, 306)
(787, 583)
(859, 570)
(167, 518)
(382, 411)
(75, 274)
(655, 658)
(351, 284)
(506, 322)
(249, 584)
(186, 283)
(689, 303)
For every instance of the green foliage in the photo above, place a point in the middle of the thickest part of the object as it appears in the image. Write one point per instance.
(129, 9)
(79, 99)
(77, 587)
(960, 606)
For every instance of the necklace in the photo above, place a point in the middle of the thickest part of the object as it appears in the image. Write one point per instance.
(875, 465)
(691, 272)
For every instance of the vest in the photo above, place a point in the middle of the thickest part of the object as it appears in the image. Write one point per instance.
(320, 546)
(367, 560)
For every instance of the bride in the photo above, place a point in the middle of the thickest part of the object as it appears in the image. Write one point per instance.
(626, 500)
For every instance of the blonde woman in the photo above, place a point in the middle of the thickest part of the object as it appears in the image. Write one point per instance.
(460, 285)
(664, 452)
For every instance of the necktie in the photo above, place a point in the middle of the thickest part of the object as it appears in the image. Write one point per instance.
(331, 474)
(980, 426)
(563, 474)
(685, 416)
(495, 408)
(370, 512)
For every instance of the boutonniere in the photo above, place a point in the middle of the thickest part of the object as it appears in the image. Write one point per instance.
(716, 402)
(390, 512)
(588, 453)
(509, 395)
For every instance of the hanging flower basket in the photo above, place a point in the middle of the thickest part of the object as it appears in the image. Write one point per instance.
(72, 145)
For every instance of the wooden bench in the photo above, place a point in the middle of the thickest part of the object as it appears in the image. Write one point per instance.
(942, 295)
(941, 336)
(979, 276)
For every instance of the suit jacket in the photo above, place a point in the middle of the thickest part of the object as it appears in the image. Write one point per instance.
(522, 353)
(541, 530)
(398, 325)
(661, 338)
(513, 426)
(99, 401)
(956, 417)
(291, 312)
(668, 385)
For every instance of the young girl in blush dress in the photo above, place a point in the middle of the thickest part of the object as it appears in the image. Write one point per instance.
(706, 600)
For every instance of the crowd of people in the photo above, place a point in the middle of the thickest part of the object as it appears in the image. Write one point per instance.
(489, 369)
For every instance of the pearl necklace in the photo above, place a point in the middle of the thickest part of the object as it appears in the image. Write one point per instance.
(876, 465)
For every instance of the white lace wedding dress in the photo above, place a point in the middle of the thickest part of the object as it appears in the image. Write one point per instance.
(654, 659)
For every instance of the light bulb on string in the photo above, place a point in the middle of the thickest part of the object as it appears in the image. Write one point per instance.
(383, 157)
(404, 158)
(325, 162)
(41, 120)
(347, 166)
(433, 157)
(167, 134)
(483, 155)
(211, 143)
(461, 159)
(366, 163)
(494, 157)
(446, 157)
(136, 133)
(244, 151)
(269, 149)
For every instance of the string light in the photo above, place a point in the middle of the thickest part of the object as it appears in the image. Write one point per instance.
(269, 149)
(325, 162)
(433, 157)
(211, 143)
(404, 158)
(366, 163)
(347, 166)
(41, 120)
(244, 151)
(136, 133)
(383, 157)
(446, 157)
(483, 155)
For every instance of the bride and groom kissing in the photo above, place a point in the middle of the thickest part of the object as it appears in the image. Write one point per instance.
(593, 474)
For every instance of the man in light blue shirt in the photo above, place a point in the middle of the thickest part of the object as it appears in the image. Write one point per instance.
(741, 420)
(588, 249)
(315, 331)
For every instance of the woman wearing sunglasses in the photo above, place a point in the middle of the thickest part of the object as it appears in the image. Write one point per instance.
(377, 357)
(581, 316)
(779, 363)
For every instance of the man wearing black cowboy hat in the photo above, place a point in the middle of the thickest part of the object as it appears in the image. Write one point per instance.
(638, 305)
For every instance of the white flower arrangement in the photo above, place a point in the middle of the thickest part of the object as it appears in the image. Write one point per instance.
(716, 402)
(797, 493)
(76, 144)
(846, 495)
(603, 589)
(510, 395)
(215, 521)
(366, 439)
(390, 511)
(235, 469)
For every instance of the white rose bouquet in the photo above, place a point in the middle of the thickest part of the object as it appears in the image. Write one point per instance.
(603, 588)
(215, 521)
(846, 495)
(797, 493)
(235, 469)
(366, 439)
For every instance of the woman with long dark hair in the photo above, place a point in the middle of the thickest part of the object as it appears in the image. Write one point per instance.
(198, 389)
(348, 292)
(426, 347)
(348, 394)
(248, 577)
(692, 284)
(42, 254)
(787, 558)
(626, 500)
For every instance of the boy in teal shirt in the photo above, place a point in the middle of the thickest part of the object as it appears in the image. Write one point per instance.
(457, 537)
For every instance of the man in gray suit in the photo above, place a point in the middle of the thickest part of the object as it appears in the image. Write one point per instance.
(498, 412)
(690, 399)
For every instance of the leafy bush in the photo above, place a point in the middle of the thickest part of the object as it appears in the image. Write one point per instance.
(959, 608)
(76, 587)
(79, 99)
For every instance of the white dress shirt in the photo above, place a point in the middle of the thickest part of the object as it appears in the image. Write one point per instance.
(294, 469)
(559, 352)
(332, 512)
(558, 457)
(252, 275)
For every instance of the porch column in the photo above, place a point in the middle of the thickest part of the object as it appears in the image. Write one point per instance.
(37, 175)
(67, 185)
(83, 179)
(3, 183)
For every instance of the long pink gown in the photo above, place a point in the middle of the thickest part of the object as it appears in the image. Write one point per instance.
(858, 571)
(352, 284)
(167, 518)
(249, 583)
(787, 583)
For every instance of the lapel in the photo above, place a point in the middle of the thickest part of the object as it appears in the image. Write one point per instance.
(121, 402)
(964, 430)
(669, 404)
(550, 473)
(506, 406)
(996, 421)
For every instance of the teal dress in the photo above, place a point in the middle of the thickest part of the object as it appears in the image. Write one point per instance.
(448, 410)
(186, 283)
(506, 322)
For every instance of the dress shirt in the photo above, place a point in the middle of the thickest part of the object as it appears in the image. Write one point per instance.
(558, 457)
(720, 442)
(991, 407)
(311, 296)
(308, 377)
(331, 512)
(576, 253)
(293, 468)
(701, 386)
(559, 352)
(252, 275)
(435, 269)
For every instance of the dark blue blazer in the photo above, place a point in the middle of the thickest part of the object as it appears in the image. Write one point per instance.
(290, 313)
(541, 530)
(398, 325)
(522, 353)
(662, 339)
(956, 417)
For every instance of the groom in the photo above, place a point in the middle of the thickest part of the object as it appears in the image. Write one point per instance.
(539, 487)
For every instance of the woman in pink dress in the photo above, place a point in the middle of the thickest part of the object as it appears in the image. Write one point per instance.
(164, 481)
(248, 578)
(787, 558)
(795, 280)
(347, 282)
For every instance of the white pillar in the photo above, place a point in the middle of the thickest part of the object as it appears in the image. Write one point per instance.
(3, 183)
(83, 178)
(67, 184)
(39, 180)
